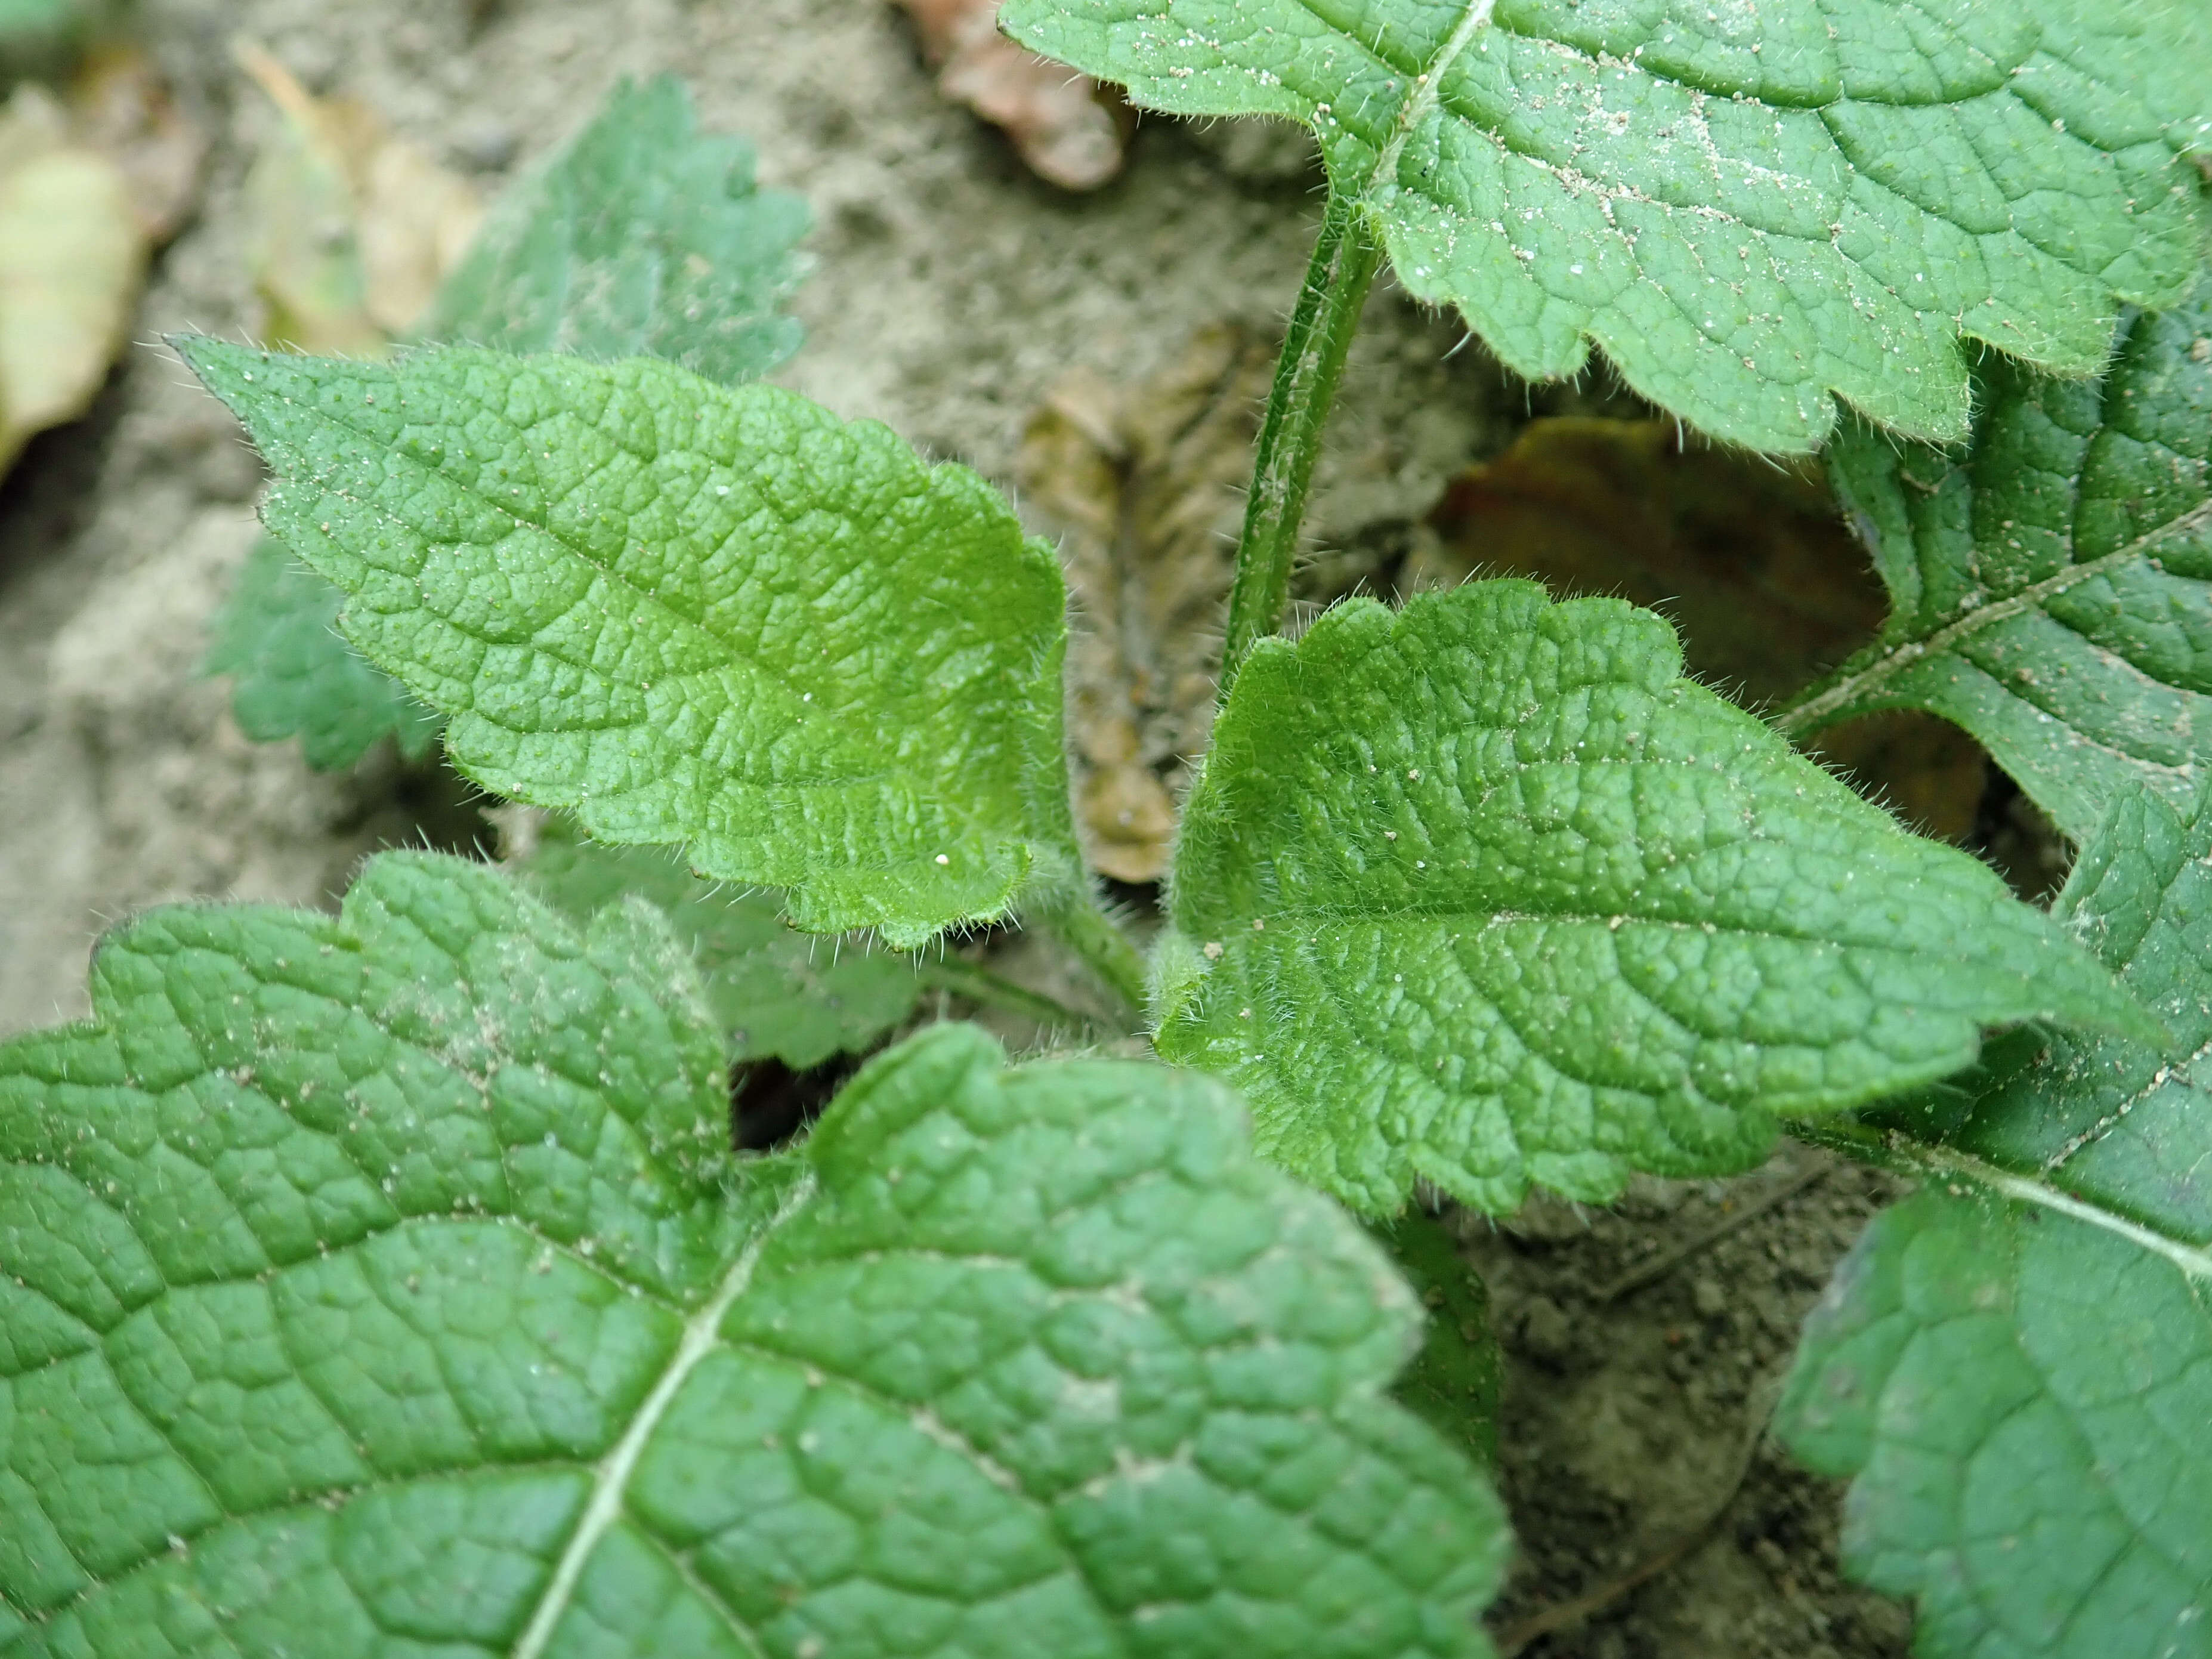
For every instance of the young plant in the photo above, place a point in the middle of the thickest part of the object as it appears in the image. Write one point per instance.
(389, 1278)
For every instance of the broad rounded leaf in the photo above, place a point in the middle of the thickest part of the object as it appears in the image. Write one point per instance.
(1486, 892)
(383, 1284)
(713, 615)
(2016, 1365)
(641, 237)
(2052, 585)
(1747, 209)
(296, 678)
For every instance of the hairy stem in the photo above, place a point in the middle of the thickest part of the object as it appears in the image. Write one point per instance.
(1345, 261)
(1082, 924)
(980, 985)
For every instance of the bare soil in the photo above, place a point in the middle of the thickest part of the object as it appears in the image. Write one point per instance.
(953, 292)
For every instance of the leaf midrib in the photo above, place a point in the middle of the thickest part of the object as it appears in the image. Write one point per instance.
(2194, 1260)
(1427, 92)
(822, 722)
(611, 1480)
(1835, 702)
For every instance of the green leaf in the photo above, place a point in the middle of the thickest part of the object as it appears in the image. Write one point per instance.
(642, 237)
(690, 613)
(778, 994)
(383, 1284)
(2016, 1365)
(1455, 1382)
(1484, 892)
(2051, 585)
(277, 632)
(1747, 209)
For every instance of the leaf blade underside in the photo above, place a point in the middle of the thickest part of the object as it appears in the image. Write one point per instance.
(2052, 587)
(1750, 211)
(2016, 1365)
(1484, 892)
(384, 1280)
(797, 998)
(690, 614)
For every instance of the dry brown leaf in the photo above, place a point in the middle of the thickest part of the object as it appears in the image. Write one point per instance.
(349, 230)
(1748, 556)
(120, 105)
(1058, 120)
(1145, 483)
(72, 260)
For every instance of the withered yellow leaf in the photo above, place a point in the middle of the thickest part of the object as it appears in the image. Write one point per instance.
(72, 259)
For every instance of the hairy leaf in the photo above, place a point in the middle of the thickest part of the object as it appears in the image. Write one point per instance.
(2016, 1365)
(277, 632)
(2051, 587)
(1484, 891)
(778, 994)
(1747, 209)
(383, 1283)
(690, 613)
(642, 237)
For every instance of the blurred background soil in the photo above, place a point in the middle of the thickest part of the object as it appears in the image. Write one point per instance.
(994, 318)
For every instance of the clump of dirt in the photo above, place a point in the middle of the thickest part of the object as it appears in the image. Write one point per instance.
(953, 291)
(1645, 1348)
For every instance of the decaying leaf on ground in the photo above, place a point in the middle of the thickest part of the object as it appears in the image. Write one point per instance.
(349, 230)
(1749, 557)
(1057, 120)
(1142, 482)
(72, 258)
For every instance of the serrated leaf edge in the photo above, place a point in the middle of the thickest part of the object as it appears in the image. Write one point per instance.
(611, 1480)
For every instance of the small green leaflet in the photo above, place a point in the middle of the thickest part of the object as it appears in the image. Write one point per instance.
(642, 237)
(2052, 587)
(1747, 209)
(778, 994)
(384, 1282)
(690, 613)
(1484, 892)
(2016, 1365)
(297, 678)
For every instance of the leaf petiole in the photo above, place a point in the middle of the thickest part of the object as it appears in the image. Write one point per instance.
(1080, 922)
(1345, 261)
(981, 986)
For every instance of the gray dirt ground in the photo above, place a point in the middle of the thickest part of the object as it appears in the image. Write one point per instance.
(952, 290)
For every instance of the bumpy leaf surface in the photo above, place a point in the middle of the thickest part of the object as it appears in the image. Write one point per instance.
(2016, 1365)
(277, 633)
(642, 237)
(1485, 891)
(2051, 587)
(690, 613)
(383, 1284)
(777, 995)
(1746, 208)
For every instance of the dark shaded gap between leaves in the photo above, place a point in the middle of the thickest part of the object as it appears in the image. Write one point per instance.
(770, 1103)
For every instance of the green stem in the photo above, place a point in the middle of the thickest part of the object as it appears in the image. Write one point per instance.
(1085, 928)
(980, 985)
(1345, 261)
